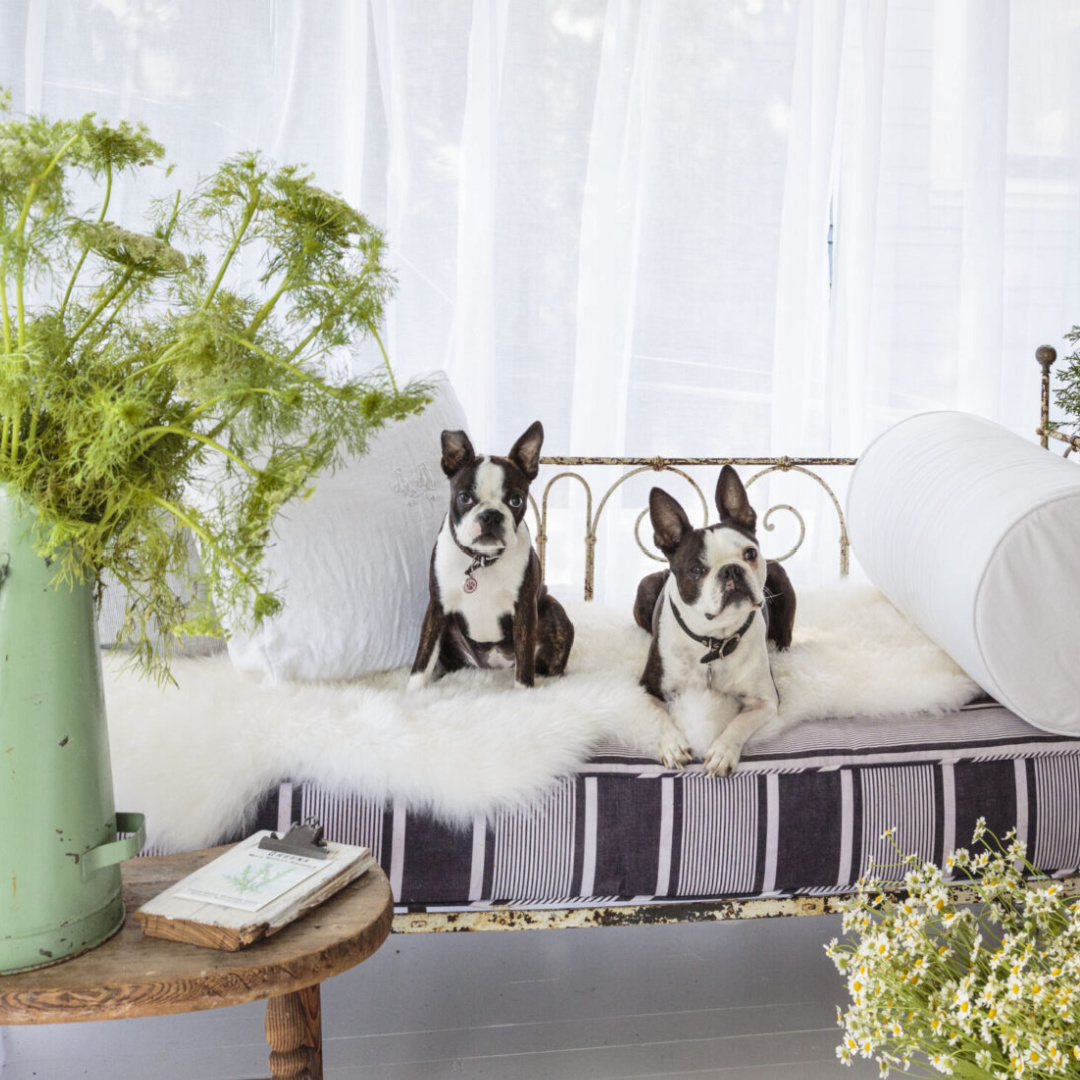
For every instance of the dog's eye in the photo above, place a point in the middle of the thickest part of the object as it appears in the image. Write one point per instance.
(514, 502)
(465, 499)
(698, 571)
(750, 554)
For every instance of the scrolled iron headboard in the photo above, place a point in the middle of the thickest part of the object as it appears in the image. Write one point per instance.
(677, 465)
(634, 466)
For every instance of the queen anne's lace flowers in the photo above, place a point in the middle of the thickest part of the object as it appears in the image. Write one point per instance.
(982, 992)
(150, 397)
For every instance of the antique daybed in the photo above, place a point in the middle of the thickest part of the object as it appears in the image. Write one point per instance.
(619, 839)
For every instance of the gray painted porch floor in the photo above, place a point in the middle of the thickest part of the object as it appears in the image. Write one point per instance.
(733, 1001)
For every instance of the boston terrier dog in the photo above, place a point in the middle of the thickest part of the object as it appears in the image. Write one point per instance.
(710, 616)
(488, 606)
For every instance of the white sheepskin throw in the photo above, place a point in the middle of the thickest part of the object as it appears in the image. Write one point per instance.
(193, 757)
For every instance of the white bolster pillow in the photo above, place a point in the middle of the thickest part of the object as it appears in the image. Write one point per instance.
(974, 534)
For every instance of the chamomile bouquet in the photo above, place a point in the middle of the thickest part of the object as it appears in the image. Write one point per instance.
(979, 984)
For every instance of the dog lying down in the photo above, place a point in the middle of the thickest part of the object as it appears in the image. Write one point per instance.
(711, 614)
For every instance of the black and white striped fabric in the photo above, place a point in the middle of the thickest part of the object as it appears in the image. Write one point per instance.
(803, 814)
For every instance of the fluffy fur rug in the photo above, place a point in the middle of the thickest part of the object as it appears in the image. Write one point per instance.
(194, 756)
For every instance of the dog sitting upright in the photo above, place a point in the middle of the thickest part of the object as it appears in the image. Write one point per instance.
(488, 606)
(710, 616)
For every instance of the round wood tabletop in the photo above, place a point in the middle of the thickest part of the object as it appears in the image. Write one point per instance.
(131, 975)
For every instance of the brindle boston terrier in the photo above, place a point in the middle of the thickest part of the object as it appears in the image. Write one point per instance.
(710, 615)
(488, 606)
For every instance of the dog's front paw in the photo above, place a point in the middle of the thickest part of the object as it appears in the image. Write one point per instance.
(722, 756)
(672, 748)
(417, 681)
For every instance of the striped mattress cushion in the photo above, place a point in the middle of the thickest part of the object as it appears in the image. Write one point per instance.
(804, 813)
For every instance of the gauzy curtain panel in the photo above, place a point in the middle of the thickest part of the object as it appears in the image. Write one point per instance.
(661, 226)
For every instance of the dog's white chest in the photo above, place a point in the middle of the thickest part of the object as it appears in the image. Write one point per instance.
(745, 670)
(494, 594)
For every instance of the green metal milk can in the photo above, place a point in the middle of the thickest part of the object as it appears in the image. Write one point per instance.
(59, 852)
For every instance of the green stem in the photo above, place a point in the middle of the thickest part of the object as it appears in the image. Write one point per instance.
(92, 317)
(32, 434)
(4, 312)
(20, 225)
(966, 1068)
(196, 413)
(15, 425)
(234, 247)
(303, 345)
(199, 531)
(108, 192)
(20, 306)
(167, 237)
(172, 429)
(160, 362)
(224, 422)
(270, 358)
(115, 511)
(71, 284)
(122, 300)
(386, 358)
(264, 312)
(86, 250)
(36, 183)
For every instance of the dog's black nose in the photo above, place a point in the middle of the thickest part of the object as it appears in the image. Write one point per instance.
(731, 572)
(489, 518)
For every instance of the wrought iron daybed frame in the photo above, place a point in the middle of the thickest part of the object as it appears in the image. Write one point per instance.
(510, 917)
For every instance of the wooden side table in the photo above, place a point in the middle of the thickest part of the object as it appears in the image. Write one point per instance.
(131, 975)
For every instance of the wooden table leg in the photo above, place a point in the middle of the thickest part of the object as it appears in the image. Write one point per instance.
(294, 1032)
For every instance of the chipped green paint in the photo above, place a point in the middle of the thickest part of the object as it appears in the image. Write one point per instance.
(56, 781)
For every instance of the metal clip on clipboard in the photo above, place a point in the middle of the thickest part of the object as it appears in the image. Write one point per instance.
(306, 840)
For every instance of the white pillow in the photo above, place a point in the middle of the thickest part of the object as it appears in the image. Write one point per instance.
(351, 562)
(972, 532)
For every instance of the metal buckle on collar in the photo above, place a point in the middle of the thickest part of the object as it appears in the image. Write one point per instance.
(719, 648)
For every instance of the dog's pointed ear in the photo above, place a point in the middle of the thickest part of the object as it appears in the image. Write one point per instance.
(457, 451)
(669, 521)
(731, 500)
(526, 451)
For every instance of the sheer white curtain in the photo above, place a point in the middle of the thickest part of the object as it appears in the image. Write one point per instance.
(956, 213)
(615, 215)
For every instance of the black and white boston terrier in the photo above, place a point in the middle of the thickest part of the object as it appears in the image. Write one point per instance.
(489, 607)
(710, 616)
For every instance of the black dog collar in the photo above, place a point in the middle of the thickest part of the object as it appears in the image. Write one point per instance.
(719, 648)
(478, 561)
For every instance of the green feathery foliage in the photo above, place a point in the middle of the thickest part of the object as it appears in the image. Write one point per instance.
(1067, 395)
(143, 401)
